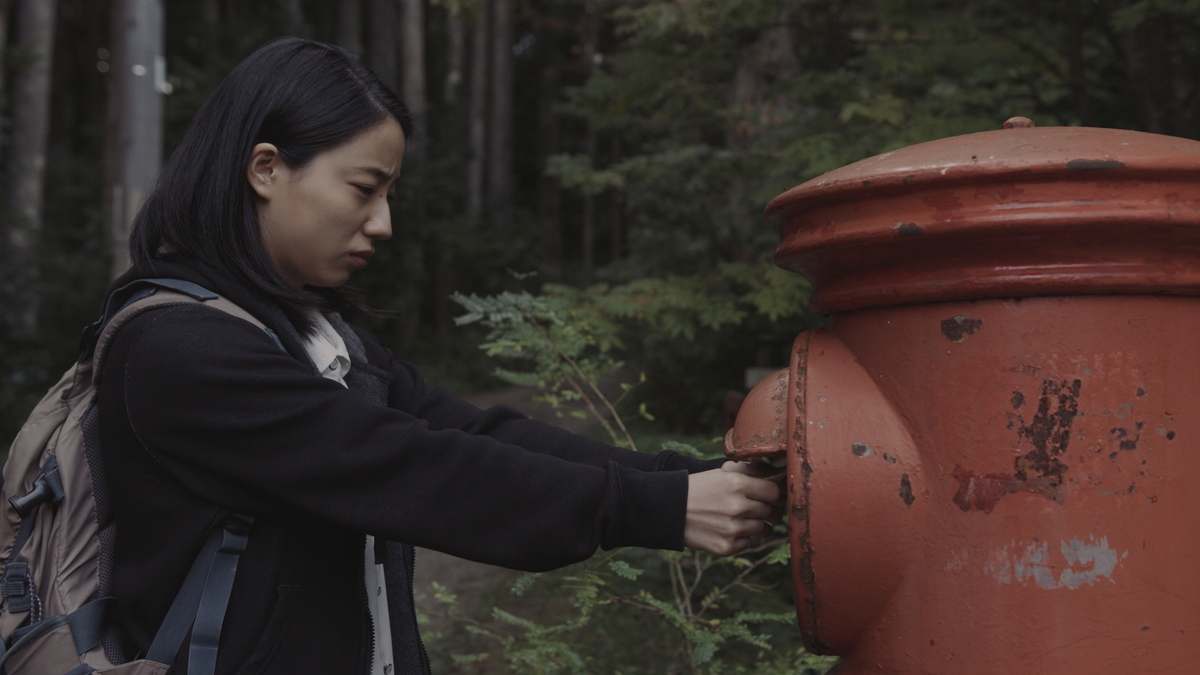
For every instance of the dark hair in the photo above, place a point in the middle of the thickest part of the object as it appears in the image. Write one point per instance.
(299, 95)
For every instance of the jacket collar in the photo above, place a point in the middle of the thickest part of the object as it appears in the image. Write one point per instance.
(177, 266)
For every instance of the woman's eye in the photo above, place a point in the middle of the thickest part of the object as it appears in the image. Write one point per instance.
(367, 190)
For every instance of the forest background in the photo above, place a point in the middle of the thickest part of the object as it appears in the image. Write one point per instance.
(611, 158)
(623, 147)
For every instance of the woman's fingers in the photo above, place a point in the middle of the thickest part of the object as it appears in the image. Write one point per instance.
(727, 507)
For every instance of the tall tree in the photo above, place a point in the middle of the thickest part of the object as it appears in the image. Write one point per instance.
(135, 117)
(413, 86)
(590, 29)
(210, 11)
(500, 158)
(381, 46)
(477, 113)
(34, 25)
(350, 25)
(295, 13)
(456, 48)
(5, 6)
(413, 30)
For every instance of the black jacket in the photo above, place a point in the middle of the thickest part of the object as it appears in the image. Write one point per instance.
(202, 414)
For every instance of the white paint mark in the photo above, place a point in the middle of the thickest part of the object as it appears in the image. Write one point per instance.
(957, 561)
(1161, 431)
(821, 397)
(1082, 562)
(822, 423)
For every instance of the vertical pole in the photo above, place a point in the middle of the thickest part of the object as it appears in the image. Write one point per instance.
(35, 25)
(500, 179)
(350, 26)
(477, 113)
(381, 48)
(138, 83)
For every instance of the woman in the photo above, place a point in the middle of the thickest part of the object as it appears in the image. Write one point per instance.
(275, 195)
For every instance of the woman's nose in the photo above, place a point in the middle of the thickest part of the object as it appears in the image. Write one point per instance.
(379, 224)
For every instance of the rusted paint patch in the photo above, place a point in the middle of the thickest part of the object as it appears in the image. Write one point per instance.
(1040, 470)
(910, 230)
(800, 487)
(888, 458)
(906, 492)
(1049, 432)
(1094, 164)
(983, 492)
(861, 449)
(1018, 400)
(957, 327)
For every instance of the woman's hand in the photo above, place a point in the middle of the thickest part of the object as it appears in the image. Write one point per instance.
(728, 506)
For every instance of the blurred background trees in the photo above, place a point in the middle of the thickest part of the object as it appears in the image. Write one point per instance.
(600, 144)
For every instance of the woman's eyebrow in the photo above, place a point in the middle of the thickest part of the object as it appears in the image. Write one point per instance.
(375, 171)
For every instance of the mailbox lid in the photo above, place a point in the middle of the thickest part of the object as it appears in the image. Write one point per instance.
(1008, 213)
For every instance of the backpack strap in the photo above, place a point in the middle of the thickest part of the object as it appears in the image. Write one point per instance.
(201, 601)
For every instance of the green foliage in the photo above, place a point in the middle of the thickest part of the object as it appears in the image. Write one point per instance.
(709, 615)
(566, 337)
(696, 613)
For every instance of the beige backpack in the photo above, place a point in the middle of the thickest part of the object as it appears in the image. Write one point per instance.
(57, 532)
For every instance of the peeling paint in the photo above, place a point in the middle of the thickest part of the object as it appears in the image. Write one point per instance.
(1094, 164)
(1049, 432)
(982, 493)
(955, 328)
(861, 449)
(1082, 563)
(906, 492)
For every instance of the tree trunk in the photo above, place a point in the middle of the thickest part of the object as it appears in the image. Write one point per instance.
(1148, 65)
(295, 13)
(34, 25)
(500, 163)
(135, 116)
(477, 114)
(5, 5)
(455, 43)
(382, 46)
(550, 202)
(589, 212)
(210, 11)
(350, 25)
(591, 31)
(618, 238)
(413, 26)
(413, 45)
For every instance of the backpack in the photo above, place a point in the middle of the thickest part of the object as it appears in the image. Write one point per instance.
(57, 532)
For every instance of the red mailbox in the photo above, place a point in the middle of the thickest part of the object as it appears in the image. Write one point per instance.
(993, 450)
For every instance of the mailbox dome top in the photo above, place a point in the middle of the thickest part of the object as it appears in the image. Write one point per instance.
(1014, 212)
(1063, 153)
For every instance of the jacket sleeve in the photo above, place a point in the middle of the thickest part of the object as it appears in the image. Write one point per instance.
(243, 424)
(411, 393)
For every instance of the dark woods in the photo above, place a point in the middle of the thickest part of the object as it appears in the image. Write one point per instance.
(592, 142)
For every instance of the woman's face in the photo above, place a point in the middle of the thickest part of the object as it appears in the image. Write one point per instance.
(320, 222)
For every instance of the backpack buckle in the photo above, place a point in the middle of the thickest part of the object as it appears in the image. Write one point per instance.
(15, 587)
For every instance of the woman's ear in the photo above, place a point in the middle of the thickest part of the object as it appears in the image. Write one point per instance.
(264, 169)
